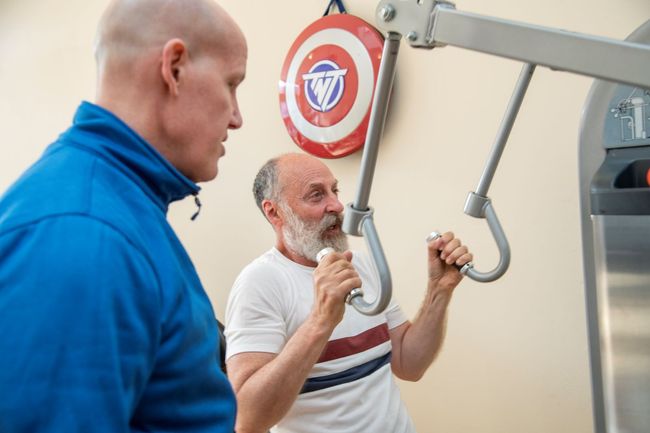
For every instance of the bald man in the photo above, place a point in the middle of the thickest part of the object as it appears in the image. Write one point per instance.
(299, 358)
(104, 324)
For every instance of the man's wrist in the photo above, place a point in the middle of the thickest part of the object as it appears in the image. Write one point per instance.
(319, 327)
(438, 295)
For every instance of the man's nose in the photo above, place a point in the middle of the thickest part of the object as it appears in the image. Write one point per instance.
(236, 120)
(334, 205)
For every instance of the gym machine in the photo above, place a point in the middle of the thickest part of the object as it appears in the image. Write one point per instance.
(614, 181)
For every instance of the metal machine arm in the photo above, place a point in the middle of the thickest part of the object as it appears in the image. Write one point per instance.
(433, 23)
(358, 216)
(478, 203)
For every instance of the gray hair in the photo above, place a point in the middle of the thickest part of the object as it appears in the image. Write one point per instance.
(266, 185)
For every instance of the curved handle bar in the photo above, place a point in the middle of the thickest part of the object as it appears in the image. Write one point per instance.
(481, 207)
(379, 259)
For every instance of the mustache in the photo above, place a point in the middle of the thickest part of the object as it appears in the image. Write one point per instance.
(329, 220)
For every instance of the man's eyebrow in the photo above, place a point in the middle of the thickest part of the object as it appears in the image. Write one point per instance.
(314, 185)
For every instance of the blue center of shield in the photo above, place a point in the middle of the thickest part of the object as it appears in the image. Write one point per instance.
(324, 85)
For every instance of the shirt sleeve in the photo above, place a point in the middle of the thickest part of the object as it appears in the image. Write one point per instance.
(255, 316)
(79, 325)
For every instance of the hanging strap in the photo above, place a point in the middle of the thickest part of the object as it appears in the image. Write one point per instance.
(338, 4)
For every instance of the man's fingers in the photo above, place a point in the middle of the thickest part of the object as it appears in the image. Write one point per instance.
(455, 254)
(336, 275)
(441, 242)
(449, 249)
(465, 258)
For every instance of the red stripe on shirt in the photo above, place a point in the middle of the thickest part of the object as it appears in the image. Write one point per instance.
(342, 347)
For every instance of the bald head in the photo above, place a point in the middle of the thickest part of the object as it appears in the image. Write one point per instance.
(131, 28)
(274, 175)
(294, 166)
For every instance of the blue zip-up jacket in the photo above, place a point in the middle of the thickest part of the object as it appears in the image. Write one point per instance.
(104, 324)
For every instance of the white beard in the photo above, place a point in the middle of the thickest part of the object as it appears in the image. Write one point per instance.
(307, 239)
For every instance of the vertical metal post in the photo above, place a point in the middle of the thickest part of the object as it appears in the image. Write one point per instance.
(377, 119)
(505, 128)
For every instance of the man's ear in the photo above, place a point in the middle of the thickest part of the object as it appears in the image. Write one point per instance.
(174, 62)
(271, 211)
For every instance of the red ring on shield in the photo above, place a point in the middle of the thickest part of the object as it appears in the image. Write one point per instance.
(327, 84)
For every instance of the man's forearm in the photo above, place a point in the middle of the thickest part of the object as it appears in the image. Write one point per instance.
(268, 394)
(423, 339)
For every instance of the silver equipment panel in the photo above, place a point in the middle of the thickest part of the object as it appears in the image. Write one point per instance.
(623, 289)
(615, 202)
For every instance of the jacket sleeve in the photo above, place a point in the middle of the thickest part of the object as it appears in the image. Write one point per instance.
(79, 327)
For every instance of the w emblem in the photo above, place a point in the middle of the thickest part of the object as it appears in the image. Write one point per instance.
(324, 85)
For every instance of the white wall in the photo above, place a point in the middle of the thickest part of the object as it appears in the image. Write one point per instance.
(516, 356)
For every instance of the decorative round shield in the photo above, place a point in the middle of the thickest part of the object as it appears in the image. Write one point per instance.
(327, 83)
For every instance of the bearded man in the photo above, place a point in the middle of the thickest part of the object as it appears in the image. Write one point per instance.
(299, 358)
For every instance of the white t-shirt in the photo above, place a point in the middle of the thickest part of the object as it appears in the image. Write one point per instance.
(351, 388)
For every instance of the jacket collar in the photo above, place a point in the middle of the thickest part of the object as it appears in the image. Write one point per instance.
(103, 133)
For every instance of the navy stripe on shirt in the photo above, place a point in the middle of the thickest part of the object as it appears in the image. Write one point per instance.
(350, 375)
